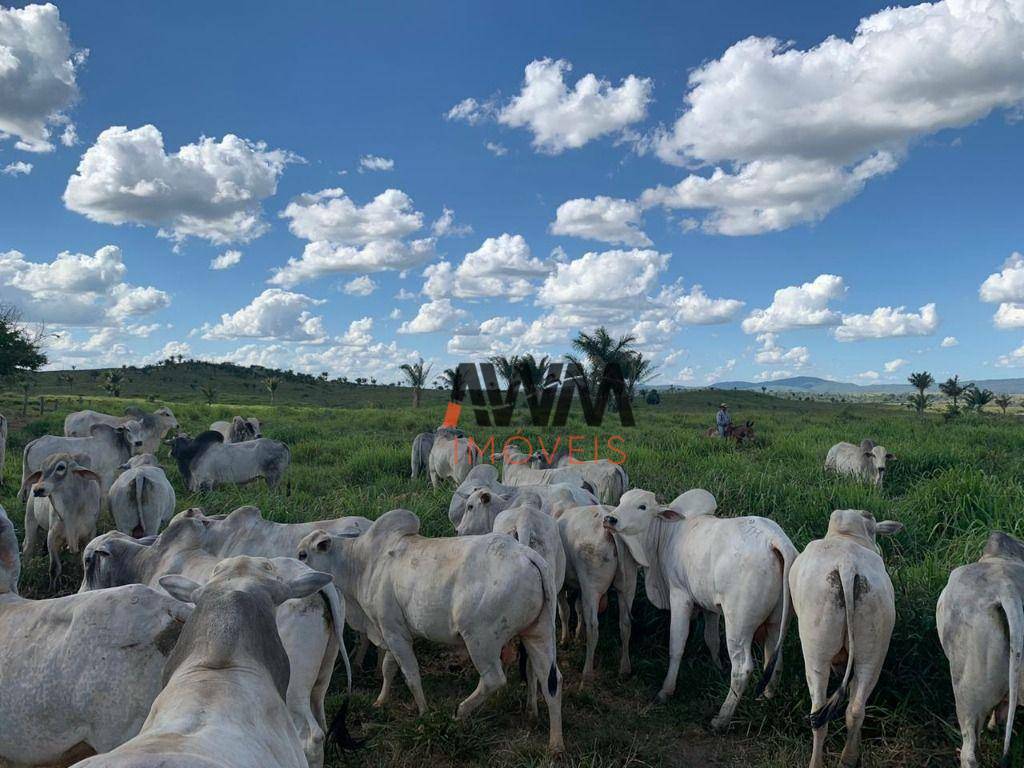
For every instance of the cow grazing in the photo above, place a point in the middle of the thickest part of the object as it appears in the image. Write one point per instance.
(980, 619)
(310, 628)
(107, 448)
(223, 700)
(3, 446)
(408, 586)
(65, 503)
(866, 461)
(595, 561)
(149, 428)
(239, 429)
(58, 706)
(141, 498)
(10, 561)
(555, 498)
(208, 462)
(606, 479)
(419, 461)
(845, 607)
(737, 568)
(451, 456)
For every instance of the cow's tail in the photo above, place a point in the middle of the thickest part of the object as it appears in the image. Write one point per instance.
(547, 580)
(786, 555)
(833, 708)
(620, 472)
(140, 489)
(23, 490)
(414, 461)
(336, 605)
(1015, 623)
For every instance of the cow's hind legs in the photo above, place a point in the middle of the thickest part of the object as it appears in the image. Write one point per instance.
(487, 660)
(389, 666)
(739, 643)
(539, 644)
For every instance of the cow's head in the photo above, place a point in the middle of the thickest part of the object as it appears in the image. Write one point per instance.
(861, 526)
(482, 507)
(167, 418)
(73, 491)
(877, 459)
(315, 551)
(142, 460)
(638, 509)
(1001, 544)
(105, 560)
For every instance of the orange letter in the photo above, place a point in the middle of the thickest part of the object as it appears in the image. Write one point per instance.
(619, 451)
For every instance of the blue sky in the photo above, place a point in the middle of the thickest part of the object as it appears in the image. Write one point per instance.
(868, 166)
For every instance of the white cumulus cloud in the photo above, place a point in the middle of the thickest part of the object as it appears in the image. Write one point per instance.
(773, 353)
(274, 314)
(434, 316)
(210, 189)
(360, 286)
(226, 260)
(799, 306)
(894, 365)
(888, 322)
(949, 341)
(375, 163)
(18, 168)
(607, 219)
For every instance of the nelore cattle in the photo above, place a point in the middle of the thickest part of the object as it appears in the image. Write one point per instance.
(223, 699)
(407, 586)
(148, 429)
(607, 479)
(65, 503)
(736, 568)
(79, 673)
(239, 429)
(141, 498)
(106, 449)
(207, 462)
(846, 611)
(554, 498)
(866, 461)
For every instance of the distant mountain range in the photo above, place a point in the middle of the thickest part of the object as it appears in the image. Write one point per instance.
(815, 385)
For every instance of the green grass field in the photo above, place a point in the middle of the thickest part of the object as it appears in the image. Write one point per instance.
(951, 485)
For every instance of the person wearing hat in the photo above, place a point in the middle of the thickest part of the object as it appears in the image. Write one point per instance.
(723, 420)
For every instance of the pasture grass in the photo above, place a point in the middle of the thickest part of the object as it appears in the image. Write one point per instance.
(952, 484)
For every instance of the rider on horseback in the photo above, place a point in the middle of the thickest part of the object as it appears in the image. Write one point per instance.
(723, 420)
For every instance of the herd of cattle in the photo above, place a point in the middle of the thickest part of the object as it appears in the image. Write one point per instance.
(213, 642)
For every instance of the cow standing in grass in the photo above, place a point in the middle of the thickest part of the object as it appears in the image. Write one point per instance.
(846, 611)
(980, 619)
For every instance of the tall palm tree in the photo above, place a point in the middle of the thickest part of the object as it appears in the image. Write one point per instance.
(1004, 402)
(113, 382)
(976, 399)
(597, 350)
(452, 380)
(272, 383)
(209, 392)
(953, 389)
(921, 381)
(531, 371)
(416, 375)
(638, 370)
(505, 367)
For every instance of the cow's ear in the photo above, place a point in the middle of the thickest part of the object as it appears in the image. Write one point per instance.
(307, 584)
(86, 474)
(669, 515)
(868, 455)
(180, 587)
(323, 543)
(890, 457)
(34, 478)
(888, 528)
(485, 497)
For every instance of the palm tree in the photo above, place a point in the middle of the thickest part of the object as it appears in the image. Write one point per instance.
(531, 371)
(953, 389)
(638, 370)
(68, 379)
(598, 350)
(920, 401)
(272, 383)
(921, 381)
(505, 367)
(113, 382)
(452, 380)
(1004, 402)
(976, 399)
(416, 374)
(209, 392)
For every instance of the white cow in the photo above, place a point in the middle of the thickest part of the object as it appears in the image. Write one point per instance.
(106, 449)
(451, 456)
(208, 462)
(419, 459)
(607, 477)
(239, 429)
(607, 480)
(484, 505)
(846, 610)
(866, 461)
(223, 701)
(556, 497)
(10, 562)
(310, 628)
(409, 586)
(148, 429)
(79, 672)
(537, 530)
(65, 503)
(737, 568)
(980, 619)
(595, 561)
(141, 498)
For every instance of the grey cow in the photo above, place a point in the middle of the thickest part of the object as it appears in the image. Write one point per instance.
(555, 497)
(148, 428)
(222, 703)
(310, 628)
(208, 462)
(846, 610)
(239, 429)
(3, 447)
(867, 461)
(107, 448)
(980, 619)
(419, 460)
(607, 480)
(141, 498)
(10, 562)
(409, 586)
(54, 708)
(65, 503)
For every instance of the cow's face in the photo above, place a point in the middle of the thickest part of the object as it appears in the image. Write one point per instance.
(877, 458)
(167, 417)
(134, 435)
(632, 517)
(315, 551)
(478, 517)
